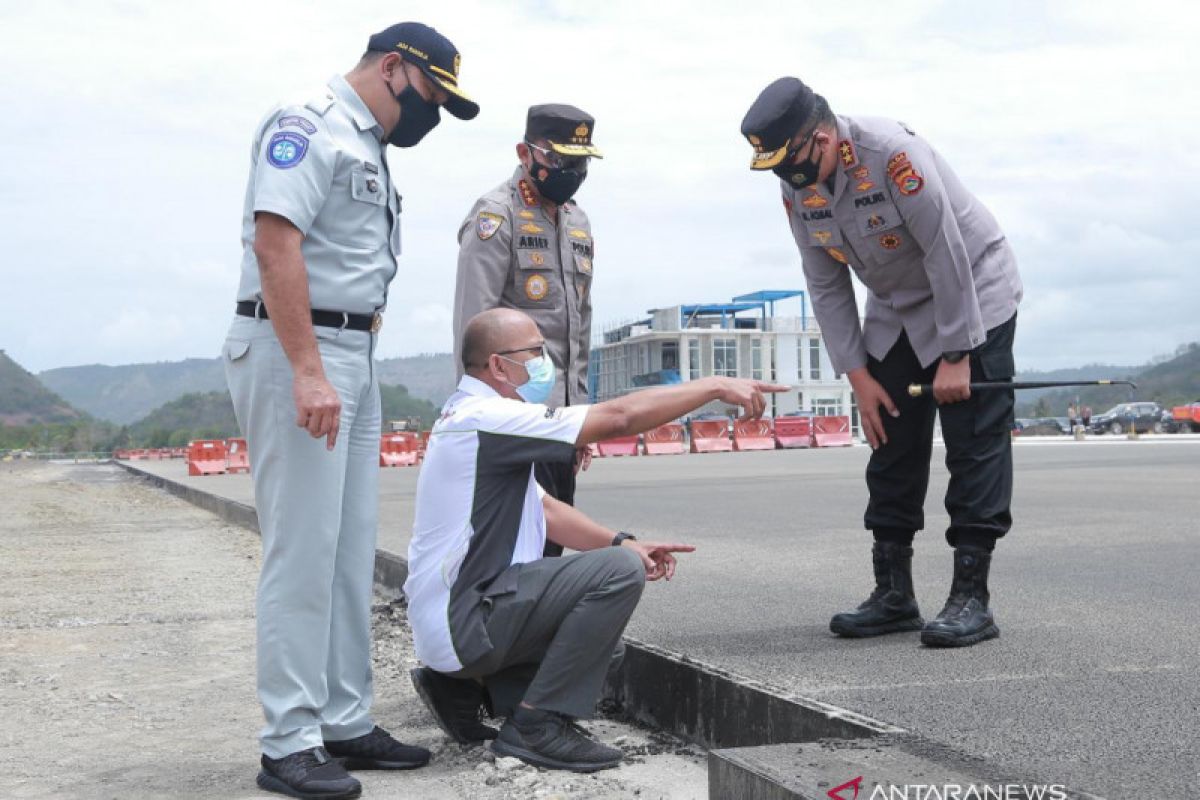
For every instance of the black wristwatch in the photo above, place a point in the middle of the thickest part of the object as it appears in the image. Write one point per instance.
(954, 356)
(620, 537)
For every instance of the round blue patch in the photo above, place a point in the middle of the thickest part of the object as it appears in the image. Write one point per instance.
(286, 149)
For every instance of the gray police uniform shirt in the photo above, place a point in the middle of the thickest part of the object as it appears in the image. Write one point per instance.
(512, 255)
(933, 258)
(320, 165)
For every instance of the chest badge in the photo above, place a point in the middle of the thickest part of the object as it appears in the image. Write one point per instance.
(529, 227)
(579, 233)
(875, 222)
(862, 173)
(814, 200)
(537, 259)
(536, 287)
(889, 241)
(837, 255)
(525, 214)
(865, 186)
(822, 237)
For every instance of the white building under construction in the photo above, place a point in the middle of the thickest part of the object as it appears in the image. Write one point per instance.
(743, 338)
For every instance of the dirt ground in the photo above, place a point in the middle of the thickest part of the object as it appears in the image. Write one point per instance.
(127, 662)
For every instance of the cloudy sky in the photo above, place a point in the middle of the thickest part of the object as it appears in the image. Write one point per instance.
(128, 126)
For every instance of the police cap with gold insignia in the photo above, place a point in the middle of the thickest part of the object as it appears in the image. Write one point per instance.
(776, 116)
(566, 128)
(433, 54)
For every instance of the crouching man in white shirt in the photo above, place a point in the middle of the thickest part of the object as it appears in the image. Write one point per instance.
(492, 619)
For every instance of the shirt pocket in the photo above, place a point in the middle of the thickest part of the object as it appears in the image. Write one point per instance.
(883, 233)
(536, 283)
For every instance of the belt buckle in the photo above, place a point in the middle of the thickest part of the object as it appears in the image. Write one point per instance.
(376, 322)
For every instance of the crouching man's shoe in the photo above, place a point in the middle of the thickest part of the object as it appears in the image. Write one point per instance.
(456, 705)
(309, 774)
(966, 619)
(892, 607)
(552, 741)
(377, 750)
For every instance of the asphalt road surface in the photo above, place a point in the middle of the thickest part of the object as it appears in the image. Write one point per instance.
(1094, 681)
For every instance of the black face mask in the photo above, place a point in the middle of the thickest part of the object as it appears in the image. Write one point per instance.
(560, 183)
(800, 175)
(418, 117)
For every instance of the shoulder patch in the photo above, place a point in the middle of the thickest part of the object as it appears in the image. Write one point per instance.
(291, 120)
(487, 223)
(286, 149)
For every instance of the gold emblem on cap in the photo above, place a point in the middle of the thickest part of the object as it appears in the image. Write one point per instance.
(582, 130)
(457, 64)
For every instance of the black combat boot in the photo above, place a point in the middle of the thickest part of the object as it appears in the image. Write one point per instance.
(892, 607)
(966, 619)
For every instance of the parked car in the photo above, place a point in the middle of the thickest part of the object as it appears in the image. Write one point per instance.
(1041, 426)
(1145, 417)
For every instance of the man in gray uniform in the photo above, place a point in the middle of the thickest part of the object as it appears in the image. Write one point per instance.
(527, 245)
(869, 195)
(321, 233)
(485, 607)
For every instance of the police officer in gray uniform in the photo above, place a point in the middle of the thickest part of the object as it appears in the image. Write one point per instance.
(527, 245)
(321, 234)
(869, 195)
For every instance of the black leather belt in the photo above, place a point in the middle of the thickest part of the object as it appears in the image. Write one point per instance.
(326, 319)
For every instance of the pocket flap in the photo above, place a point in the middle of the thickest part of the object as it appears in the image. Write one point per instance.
(236, 348)
(997, 366)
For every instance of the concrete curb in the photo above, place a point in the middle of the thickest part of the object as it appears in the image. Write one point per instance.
(698, 702)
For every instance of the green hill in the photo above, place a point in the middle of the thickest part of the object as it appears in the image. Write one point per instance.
(196, 415)
(25, 401)
(125, 394)
(1170, 383)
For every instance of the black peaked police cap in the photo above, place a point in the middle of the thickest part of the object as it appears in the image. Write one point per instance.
(433, 54)
(774, 119)
(566, 128)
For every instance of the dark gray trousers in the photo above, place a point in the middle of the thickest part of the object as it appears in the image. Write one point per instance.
(557, 635)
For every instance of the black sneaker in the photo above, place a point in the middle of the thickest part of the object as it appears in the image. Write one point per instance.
(377, 750)
(552, 741)
(310, 773)
(456, 704)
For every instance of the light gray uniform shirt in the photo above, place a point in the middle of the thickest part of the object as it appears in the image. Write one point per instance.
(512, 255)
(320, 165)
(933, 258)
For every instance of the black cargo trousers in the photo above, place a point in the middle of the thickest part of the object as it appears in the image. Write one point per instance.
(978, 438)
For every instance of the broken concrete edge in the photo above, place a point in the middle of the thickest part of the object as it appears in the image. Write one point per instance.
(655, 687)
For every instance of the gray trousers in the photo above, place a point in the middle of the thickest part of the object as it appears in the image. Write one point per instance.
(559, 633)
(317, 511)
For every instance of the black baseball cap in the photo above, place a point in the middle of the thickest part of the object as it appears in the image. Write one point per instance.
(774, 119)
(566, 128)
(432, 53)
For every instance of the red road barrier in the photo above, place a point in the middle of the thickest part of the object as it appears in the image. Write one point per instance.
(620, 446)
(399, 450)
(754, 434)
(207, 457)
(665, 440)
(793, 431)
(710, 436)
(237, 458)
(832, 432)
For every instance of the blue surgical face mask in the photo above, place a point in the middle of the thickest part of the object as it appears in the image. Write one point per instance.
(541, 378)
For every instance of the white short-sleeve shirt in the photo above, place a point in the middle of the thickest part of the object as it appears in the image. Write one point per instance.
(478, 511)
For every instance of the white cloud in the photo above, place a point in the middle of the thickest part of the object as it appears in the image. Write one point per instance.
(127, 141)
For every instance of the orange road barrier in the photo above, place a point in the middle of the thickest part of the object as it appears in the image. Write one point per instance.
(832, 432)
(238, 456)
(710, 436)
(753, 434)
(207, 457)
(399, 450)
(665, 440)
(620, 446)
(793, 431)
